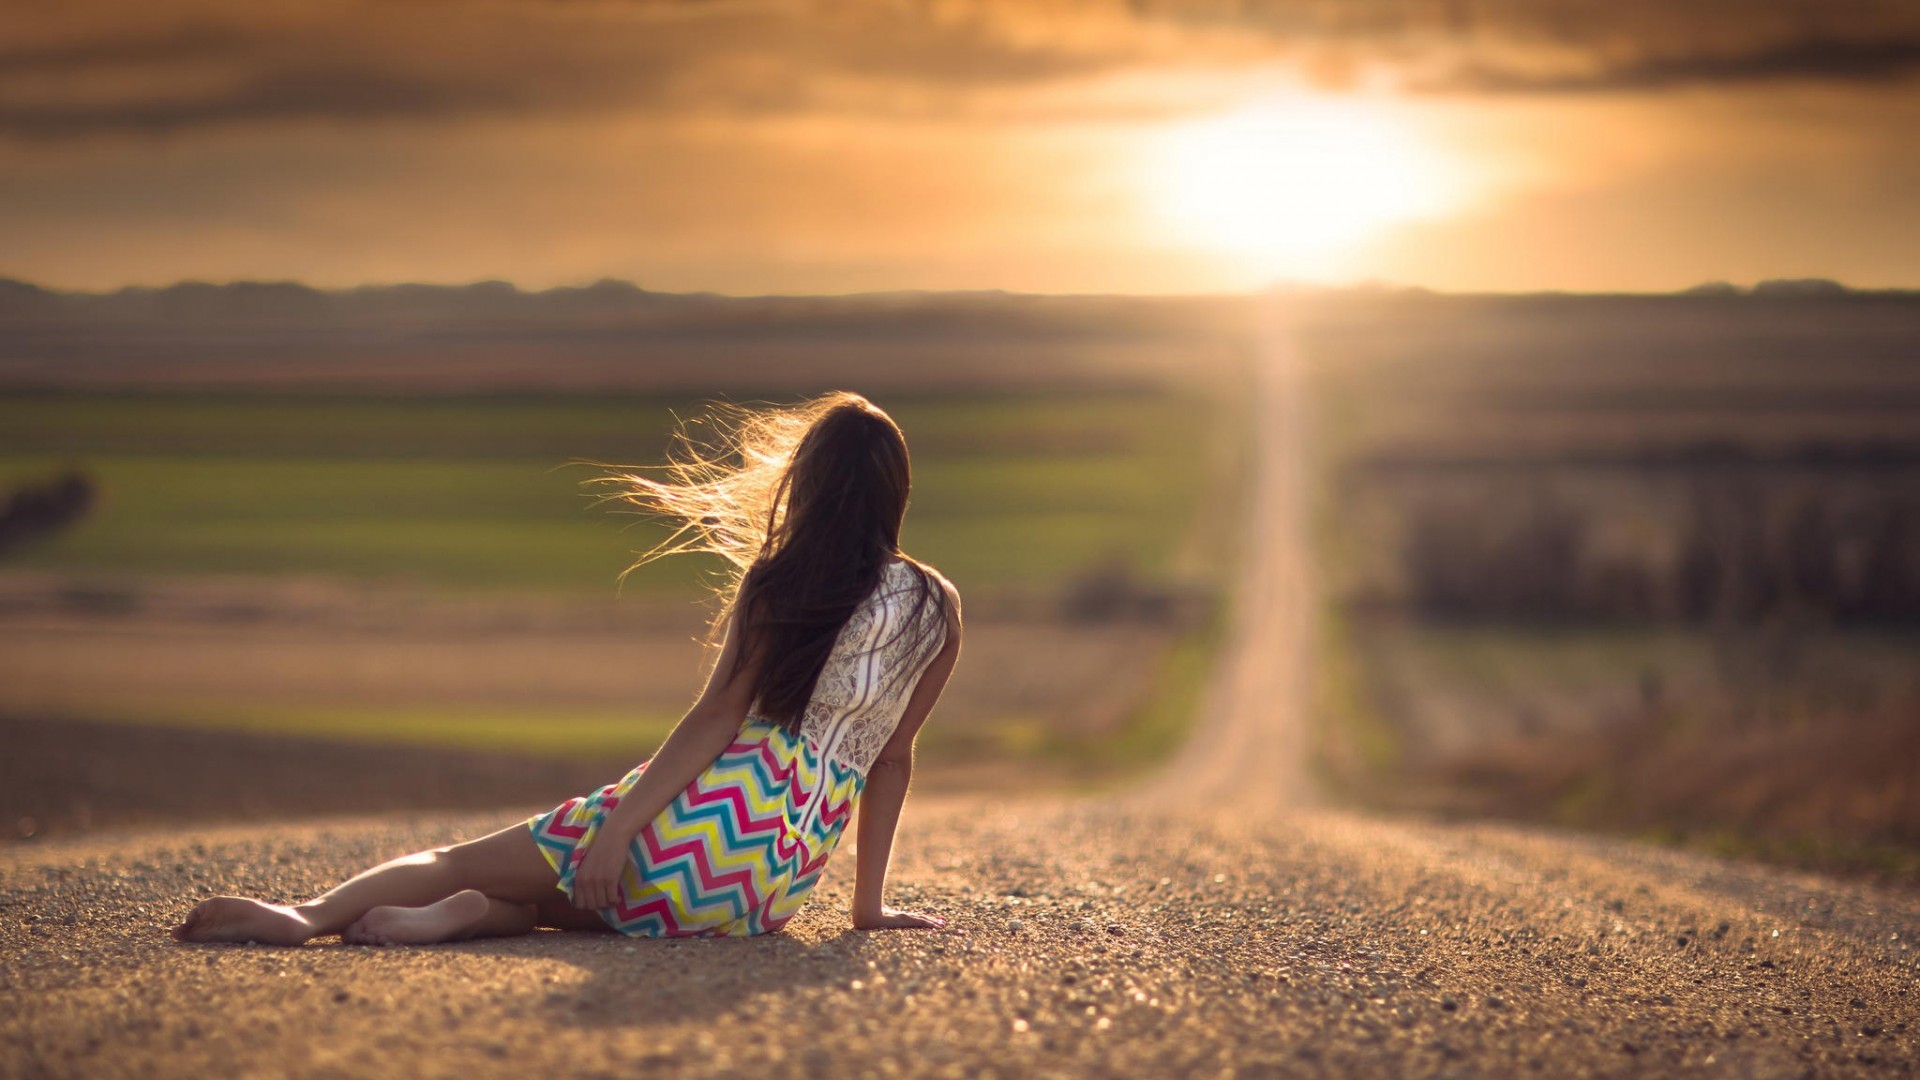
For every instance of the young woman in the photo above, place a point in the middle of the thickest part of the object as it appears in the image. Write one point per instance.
(833, 648)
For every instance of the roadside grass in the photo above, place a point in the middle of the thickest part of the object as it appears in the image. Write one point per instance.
(1155, 730)
(1091, 760)
(1801, 754)
(1895, 863)
(1355, 748)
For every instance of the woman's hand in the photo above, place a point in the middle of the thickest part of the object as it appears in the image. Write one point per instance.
(596, 881)
(895, 919)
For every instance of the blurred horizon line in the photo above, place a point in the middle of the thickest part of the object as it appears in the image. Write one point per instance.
(13, 289)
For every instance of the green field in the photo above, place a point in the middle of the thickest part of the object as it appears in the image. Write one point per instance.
(475, 493)
(566, 732)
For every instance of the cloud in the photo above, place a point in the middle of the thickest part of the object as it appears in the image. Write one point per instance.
(88, 50)
(1811, 59)
(450, 61)
(334, 92)
(97, 68)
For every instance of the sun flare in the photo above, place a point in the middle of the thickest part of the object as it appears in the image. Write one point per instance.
(1293, 186)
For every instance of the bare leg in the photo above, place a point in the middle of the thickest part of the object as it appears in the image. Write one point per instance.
(465, 914)
(506, 865)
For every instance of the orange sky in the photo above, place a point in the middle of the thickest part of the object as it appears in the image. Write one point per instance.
(1047, 145)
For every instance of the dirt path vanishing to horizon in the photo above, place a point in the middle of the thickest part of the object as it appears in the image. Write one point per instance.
(1215, 921)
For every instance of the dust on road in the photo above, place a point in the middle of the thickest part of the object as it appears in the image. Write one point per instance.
(1084, 941)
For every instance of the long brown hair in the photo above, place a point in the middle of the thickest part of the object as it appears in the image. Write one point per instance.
(804, 505)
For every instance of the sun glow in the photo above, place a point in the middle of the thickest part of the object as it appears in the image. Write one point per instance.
(1294, 186)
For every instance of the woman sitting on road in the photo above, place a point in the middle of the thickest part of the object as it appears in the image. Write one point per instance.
(834, 647)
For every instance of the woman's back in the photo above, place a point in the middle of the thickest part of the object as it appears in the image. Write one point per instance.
(875, 662)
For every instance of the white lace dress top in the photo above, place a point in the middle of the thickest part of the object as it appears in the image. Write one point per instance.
(872, 670)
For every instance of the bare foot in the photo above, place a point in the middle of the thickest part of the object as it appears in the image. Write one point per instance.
(449, 920)
(237, 918)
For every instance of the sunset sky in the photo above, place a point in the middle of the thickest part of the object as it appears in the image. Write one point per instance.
(1039, 145)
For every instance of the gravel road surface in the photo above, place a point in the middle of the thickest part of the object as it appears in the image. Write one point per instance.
(1213, 922)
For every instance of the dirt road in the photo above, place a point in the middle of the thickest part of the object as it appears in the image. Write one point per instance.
(1212, 923)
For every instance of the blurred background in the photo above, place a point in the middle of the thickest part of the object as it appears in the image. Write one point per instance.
(1603, 316)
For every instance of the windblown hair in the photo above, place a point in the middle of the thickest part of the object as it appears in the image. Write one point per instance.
(803, 504)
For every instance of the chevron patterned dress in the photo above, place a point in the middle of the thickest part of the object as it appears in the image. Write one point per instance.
(739, 849)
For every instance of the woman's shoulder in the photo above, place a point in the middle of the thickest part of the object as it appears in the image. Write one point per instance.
(909, 567)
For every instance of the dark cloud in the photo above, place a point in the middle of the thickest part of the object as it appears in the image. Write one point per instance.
(1571, 46)
(454, 61)
(172, 44)
(1808, 60)
(101, 67)
(332, 92)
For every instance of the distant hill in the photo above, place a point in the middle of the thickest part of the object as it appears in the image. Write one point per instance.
(610, 335)
(492, 336)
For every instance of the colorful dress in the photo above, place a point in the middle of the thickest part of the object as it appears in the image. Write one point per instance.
(737, 851)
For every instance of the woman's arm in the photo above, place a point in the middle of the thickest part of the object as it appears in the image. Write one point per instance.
(886, 791)
(701, 736)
